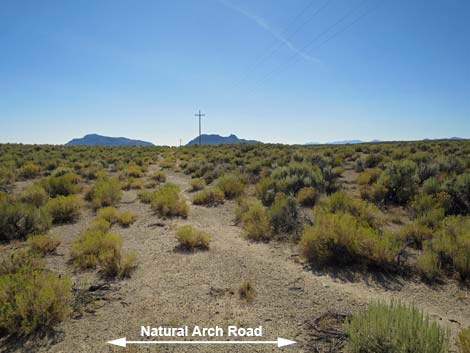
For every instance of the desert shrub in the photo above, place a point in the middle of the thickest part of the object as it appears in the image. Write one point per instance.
(18, 260)
(110, 214)
(113, 216)
(197, 184)
(132, 184)
(212, 196)
(400, 180)
(431, 186)
(100, 224)
(18, 220)
(29, 170)
(463, 340)
(167, 202)
(96, 248)
(414, 234)
(33, 301)
(231, 185)
(373, 160)
(128, 264)
(159, 176)
(394, 327)
(284, 214)
(291, 178)
(369, 176)
(307, 196)
(341, 202)
(64, 185)
(7, 176)
(43, 244)
(428, 265)
(106, 192)
(255, 222)
(126, 218)
(64, 209)
(242, 205)
(343, 239)
(266, 190)
(132, 171)
(451, 243)
(190, 238)
(145, 196)
(34, 195)
(459, 191)
(247, 291)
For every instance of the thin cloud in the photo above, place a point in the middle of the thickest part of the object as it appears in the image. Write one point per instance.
(261, 22)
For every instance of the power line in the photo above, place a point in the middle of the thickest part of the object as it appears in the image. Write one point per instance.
(294, 57)
(277, 44)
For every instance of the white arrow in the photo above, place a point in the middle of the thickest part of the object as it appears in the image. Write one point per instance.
(280, 342)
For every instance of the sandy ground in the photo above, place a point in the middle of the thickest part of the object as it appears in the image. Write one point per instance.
(173, 288)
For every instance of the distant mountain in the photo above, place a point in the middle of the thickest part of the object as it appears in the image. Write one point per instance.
(217, 139)
(98, 140)
(344, 142)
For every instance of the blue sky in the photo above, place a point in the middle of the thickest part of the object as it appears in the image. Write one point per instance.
(278, 71)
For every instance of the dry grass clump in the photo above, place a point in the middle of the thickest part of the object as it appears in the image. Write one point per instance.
(145, 196)
(394, 327)
(99, 249)
(212, 196)
(65, 209)
(190, 238)
(43, 244)
(29, 170)
(167, 202)
(159, 176)
(463, 340)
(31, 298)
(113, 216)
(197, 184)
(247, 291)
(307, 196)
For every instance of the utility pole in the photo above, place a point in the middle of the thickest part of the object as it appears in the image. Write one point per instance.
(199, 115)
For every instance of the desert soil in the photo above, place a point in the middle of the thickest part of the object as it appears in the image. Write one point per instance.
(174, 288)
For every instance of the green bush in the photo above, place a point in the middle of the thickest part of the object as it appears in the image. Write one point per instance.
(126, 218)
(284, 214)
(96, 248)
(342, 239)
(255, 222)
(18, 220)
(400, 181)
(394, 327)
(105, 192)
(167, 202)
(212, 196)
(307, 196)
(65, 209)
(43, 244)
(34, 195)
(64, 185)
(463, 340)
(190, 238)
(414, 234)
(231, 185)
(459, 190)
